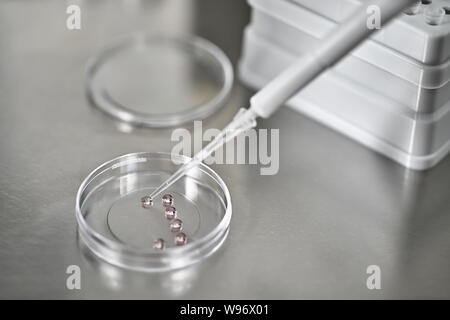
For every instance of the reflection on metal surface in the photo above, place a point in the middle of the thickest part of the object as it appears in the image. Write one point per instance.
(423, 230)
(171, 284)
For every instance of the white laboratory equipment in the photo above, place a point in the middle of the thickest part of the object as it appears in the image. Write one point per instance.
(392, 93)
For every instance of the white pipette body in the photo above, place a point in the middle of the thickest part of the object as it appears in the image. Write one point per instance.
(265, 102)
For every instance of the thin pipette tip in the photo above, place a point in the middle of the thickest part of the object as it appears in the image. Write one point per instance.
(244, 120)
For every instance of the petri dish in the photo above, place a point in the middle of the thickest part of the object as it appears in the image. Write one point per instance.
(159, 80)
(115, 227)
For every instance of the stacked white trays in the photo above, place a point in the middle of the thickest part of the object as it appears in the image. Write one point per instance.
(391, 94)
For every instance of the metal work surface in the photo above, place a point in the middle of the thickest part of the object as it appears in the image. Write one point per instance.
(311, 231)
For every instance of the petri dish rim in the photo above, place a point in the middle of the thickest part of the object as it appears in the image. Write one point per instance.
(99, 98)
(196, 247)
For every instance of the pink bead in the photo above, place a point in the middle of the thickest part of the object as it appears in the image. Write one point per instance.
(159, 244)
(147, 202)
(167, 200)
(176, 225)
(170, 213)
(180, 239)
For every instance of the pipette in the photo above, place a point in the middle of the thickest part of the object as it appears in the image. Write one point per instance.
(265, 102)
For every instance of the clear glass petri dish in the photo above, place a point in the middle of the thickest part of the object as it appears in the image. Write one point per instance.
(159, 80)
(115, 227)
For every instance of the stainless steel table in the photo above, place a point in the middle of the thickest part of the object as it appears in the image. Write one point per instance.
(310, 231)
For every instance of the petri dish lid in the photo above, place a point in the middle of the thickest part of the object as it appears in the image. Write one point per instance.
(159, 81)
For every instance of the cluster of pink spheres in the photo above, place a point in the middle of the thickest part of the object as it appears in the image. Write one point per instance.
(175, 225)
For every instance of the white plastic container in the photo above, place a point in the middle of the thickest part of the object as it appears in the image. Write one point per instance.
(417, 141)
(411, 34)
(295, 29)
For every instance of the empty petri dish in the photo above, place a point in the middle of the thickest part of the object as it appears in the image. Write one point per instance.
(115, 226)
(159, 81)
